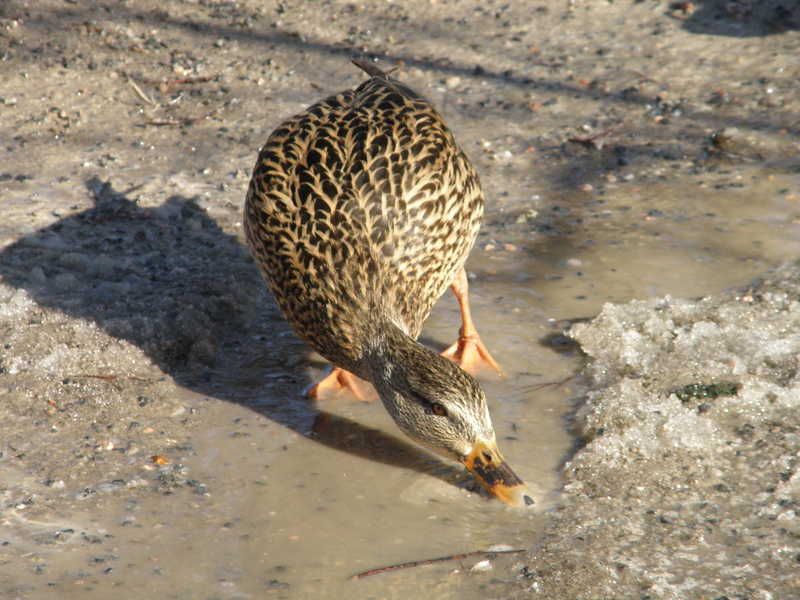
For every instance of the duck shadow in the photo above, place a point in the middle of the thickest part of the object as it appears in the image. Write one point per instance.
(170, 281)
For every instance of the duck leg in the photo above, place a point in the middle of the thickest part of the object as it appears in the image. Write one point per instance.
(338, 379)
(468, 352)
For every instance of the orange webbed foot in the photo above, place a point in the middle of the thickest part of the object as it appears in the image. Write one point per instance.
(339, 380)
(470, 353)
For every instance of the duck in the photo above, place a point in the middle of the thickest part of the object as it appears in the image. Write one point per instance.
(360, 213)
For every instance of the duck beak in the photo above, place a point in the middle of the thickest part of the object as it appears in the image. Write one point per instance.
(493, 472)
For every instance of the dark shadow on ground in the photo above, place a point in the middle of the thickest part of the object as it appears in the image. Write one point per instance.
(681, 131)
(171, 282)
(738, 18)
(269, 37)
(627, 144)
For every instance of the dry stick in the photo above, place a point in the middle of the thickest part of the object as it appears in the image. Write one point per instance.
(185, 121)
(141, 94)
(108, 378)
(591, 140)
(187, 80)
(546, 384)
(431, 561)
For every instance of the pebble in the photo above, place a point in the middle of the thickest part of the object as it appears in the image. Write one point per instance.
(102, 266)
(66, 281)
(452, 82)
(203, 352)
(108, 488)
(526, 217)
(500, 548)
(481, 566)
(505, 155)
(76, 261)
(37, 275)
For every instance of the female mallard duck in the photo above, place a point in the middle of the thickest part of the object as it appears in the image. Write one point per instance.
(360, 212)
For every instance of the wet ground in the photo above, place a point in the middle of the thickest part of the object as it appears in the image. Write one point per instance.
(153, 435)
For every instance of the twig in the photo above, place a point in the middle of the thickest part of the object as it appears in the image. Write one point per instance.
(141, 94)
(431, 561)
(180, 80)
(591, 140)
(188, 80)
(186, 121)
(108, 378)
(547, 384)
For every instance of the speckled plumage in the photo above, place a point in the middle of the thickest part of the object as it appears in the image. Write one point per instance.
(361, 207)
(360, 212)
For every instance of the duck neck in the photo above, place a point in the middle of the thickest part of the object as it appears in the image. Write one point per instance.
(389, 356)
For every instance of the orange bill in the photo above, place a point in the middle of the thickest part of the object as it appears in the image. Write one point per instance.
(493, 472)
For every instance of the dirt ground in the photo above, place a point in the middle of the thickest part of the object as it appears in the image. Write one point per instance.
(128, 130)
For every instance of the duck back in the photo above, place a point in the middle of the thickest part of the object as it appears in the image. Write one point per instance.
(361, 208)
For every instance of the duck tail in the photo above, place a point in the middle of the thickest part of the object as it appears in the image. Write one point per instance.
(371, 69)
(383, 77)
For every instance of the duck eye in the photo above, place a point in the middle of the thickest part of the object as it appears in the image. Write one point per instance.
(438, 410)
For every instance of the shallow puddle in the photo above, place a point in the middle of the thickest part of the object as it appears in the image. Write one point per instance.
(347, 499)
(309, 511)
(298, 514)
(294, 499)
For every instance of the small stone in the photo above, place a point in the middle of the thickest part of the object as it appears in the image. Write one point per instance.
(481, 566)
(452, 82)
(526, 217)
(108, 488)
(505, 155)
(500, 548)
(75, 261)
(203, 352)
(66, 281)
(37, 275)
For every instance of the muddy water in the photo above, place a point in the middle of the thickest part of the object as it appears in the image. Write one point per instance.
(308, 511)
(296, 504)
(337, 512)
(294, 499)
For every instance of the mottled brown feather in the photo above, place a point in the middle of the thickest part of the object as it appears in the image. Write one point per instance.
(361, 209)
